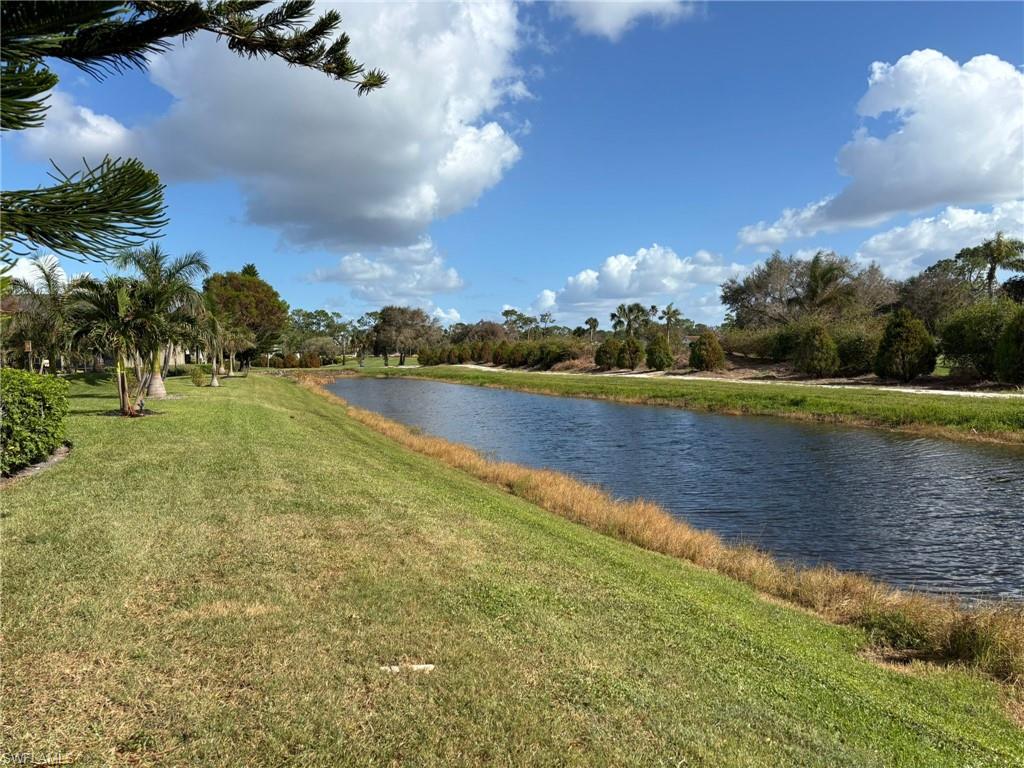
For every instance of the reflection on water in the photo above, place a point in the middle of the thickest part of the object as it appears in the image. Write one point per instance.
(917, 512)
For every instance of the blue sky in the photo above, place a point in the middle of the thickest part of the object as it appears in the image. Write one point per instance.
(571, 157)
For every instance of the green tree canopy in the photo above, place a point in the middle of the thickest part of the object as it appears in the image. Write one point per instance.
(249, 302)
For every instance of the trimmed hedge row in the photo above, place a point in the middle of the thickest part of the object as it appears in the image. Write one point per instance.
(32, 412)
(543, 353)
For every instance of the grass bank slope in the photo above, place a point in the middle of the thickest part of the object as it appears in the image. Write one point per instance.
(968, 418)
(220, 582)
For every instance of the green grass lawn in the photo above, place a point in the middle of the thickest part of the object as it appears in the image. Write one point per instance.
(219, 583)
(965, 417)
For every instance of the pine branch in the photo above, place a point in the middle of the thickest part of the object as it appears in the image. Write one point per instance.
(87, 215)
(21, 102)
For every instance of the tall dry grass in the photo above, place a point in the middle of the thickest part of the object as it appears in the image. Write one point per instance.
(989, 637)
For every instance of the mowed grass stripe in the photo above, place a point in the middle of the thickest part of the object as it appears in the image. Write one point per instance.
(231, 604)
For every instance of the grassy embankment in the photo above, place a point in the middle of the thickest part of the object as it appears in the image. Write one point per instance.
(967, 418)
(218, 583)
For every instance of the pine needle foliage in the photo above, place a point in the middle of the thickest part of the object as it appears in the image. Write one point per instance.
(91, 214)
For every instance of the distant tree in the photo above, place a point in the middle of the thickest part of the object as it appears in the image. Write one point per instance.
(108, 317)
(826, 285)
(631, 353)
(671, 317)
(971, 334)
(907, 350)
(940, 290)
(1013, 289)
(630, 318)
(592, 325)
(249, 270)
(93, 213)
(706, 353)
(766, 295)
(816, 352)
(659, 356)
(1010, 351)
(403, 330)
(607, 354)
(998, 253)
(250, 302)
(166, 292)
(45, 302)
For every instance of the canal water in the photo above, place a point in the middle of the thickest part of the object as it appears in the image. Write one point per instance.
(935, 515)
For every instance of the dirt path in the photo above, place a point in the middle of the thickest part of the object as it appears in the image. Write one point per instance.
(688, 377)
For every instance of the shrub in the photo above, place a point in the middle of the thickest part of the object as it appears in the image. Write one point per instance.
(906, 350)
(310, 360)
(291, 361)
(857, 348)
(631, 353)
(32, 413)
(1010, 351)
(659, 356)
(607, 354)
(816, 354)
(706, 353)
(970, 336)
(277, 361)
(198, 377)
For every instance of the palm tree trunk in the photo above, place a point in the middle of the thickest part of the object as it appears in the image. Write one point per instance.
(156, 388)
(122, 386)
(213, 370)
(231, 364)
(167, 361)
(991, 280)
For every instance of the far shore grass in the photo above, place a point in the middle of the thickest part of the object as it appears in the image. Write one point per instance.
(964, 418)
(220, 582)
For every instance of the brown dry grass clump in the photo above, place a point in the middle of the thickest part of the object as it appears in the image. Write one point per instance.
(989, 637)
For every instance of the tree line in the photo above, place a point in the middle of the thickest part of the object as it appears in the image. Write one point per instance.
(826, 315)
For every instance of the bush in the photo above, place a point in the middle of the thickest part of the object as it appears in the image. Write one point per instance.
(659, 356)
(857, 348)
(631, 353)
(706, 353)
(543, 354)
(607, 354)
(816, 354)
(198, 377)
(310, 360)
(1010, 351)
(906, 350)
(32, 413)
(970, 336)
(291, 361)
(277, 361)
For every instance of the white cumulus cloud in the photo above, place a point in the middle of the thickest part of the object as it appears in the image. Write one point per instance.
(613, 19)
(958, 139)
(313, 160)
(903, 251)
(651, 275)
(390, 275)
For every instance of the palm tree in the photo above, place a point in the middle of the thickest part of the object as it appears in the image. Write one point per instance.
(166, 290)
(998, 253)
(108, 317)
(670, 316)
(827, 284)
(211, 332)
(619, 317)
(630, 318)
(236, 338)
(592, 327)
(46, 304)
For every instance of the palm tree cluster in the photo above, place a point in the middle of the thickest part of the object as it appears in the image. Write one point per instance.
(134, 319)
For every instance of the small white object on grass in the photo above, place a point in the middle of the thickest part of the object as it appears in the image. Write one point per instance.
(395, 668)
